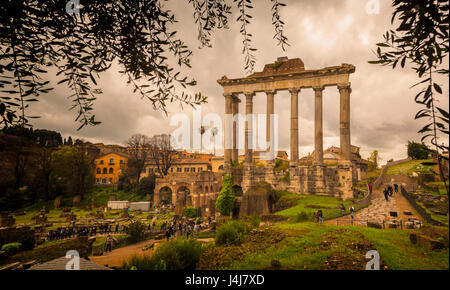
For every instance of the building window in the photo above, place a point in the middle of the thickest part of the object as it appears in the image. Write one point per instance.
(178, 169)
(186, 169)
(110, 180)
(171, 169)
(192, 169)
(111, 170)
(99, 171)
(104, 180)
(111, 161)
(105, 171)
(102, 162)
(200, 169)
(121, 161)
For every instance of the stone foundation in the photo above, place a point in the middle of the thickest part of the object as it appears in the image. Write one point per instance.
(316, 179)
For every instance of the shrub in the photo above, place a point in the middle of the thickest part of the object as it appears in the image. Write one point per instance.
(12, 248)
(231, 233)
(254, 220)
(180, 254)
(302, 217)
(136, 231)
(190, 212)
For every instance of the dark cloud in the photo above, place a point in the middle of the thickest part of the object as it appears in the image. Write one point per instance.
(321, 32)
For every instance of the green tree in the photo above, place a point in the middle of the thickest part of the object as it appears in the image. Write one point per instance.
(147, 185)
(225, 200)
(373, 160)
(73, 170)
(138, 146)
(422, 39)
(136, 231)
(190, 212)
(138, 35)
(417, 150)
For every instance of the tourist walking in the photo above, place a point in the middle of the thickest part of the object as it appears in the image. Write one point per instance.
(108, 244)
(386, 194)
(320, 216)
(342, 209)
(390, 190)
(396, 187)
(370, 188)
(352, 210)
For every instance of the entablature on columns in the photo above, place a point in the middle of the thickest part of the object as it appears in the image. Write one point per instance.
(330, 76)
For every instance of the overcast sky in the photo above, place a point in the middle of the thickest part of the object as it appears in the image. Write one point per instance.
(321, 32)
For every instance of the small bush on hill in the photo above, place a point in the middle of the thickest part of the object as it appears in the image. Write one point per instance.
(12, 248)
(231, 233)
(254, 220)
(180, 254)
(136, 231)
(302, 217)
(190, 212)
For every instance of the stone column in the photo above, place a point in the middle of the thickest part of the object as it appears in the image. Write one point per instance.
(227, 135)
(235, 111)
(249, 128)
(270, 111)
(345, 90)
(294, 125)
(318, 126)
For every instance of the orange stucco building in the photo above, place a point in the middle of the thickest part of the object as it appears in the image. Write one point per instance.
(109, 167)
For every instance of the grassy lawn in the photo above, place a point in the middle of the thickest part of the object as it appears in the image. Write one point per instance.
(309, 204)
(312, 246)
(400, 254)
(409, 167)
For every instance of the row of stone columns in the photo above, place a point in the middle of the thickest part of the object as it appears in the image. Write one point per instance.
(232, 108)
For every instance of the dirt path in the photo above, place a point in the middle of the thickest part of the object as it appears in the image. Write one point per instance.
(115, 258)
(378, 211)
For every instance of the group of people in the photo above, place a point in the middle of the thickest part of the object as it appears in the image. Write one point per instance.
(62, 233)
(185, 227)
(389, 191)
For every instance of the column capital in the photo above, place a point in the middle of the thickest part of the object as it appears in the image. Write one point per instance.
(318, 88)
(294, 90)
(249, 94)
(344, 86)
(228, 95)
(235, 98)
(270, 92)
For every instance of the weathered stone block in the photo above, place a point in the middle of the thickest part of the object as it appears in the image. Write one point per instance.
(374, 225)
(429, 243)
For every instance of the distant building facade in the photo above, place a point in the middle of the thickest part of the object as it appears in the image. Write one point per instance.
(109, 167)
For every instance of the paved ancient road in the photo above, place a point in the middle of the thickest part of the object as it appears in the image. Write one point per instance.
(115, 258)
(379, 210)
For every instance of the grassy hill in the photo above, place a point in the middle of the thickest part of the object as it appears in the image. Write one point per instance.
(326, 247)
(409, 167)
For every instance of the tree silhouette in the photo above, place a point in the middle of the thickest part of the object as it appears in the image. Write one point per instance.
(136, 34)
(422, 39)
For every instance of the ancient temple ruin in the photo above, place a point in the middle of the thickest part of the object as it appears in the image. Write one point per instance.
(291, 75)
